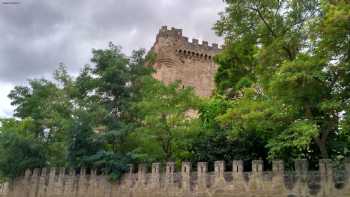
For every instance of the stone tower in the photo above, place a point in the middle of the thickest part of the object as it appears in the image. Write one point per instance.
(190, 62)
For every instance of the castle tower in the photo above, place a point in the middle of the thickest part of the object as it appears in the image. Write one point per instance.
(190, 62)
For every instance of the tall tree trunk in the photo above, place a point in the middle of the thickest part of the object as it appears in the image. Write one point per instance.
(321, 143)
(320, 140)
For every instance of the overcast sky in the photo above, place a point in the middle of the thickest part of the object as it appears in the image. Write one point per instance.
(37, 35)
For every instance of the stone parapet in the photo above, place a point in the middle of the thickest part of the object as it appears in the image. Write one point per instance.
(155, 180)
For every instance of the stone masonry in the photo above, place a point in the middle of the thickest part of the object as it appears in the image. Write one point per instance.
(189, 62)
(156, 181)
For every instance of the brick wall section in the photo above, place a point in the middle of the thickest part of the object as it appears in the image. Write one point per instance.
(190, 62)
(163, 181)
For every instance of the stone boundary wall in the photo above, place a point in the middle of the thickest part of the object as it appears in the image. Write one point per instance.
(159, 182)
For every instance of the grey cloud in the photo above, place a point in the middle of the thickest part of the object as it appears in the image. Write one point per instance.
(38, 35)
(29, 19)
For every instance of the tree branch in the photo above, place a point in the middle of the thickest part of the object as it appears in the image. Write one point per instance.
(278, 7)
(264, 21)
(257, 10)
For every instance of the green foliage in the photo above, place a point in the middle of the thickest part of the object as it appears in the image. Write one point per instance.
(295, 140)
(237, 66)
(151, 58)
(19, 150)
(113, 164)
(48, 106)
(81, 144)
(167, 118)
(286, 68)
(212, 108)
(301, 81)
(82, 122)
(217, 146)
(101, 125)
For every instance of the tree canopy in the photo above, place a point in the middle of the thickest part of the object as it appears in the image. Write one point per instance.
(285, 69)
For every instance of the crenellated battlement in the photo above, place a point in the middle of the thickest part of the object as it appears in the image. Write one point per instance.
(186, 45)
(164, 180)
(174, 32)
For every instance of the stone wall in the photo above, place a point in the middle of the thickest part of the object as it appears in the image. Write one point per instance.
(167, 182)
(190, 62)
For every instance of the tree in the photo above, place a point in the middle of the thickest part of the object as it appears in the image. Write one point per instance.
(237, 68)
(118, 84)
(215, 142)
(167, 119)
(49, 105)
(290, 80)
(19, 150)
(104, 116)
(85, 122)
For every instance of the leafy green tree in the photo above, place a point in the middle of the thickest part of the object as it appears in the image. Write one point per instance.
(80, 121)
(105, 116)
(289, 79)
(82, 143)
(215, 142)
(19, 149)
(48, 104)
(332, 38)
(237, 67)
(118, 85)
(167, 116)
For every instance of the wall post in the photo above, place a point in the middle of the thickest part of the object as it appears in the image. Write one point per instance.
(237, 169)
(301, 170)
(93, 187)
(169, 174)
(238, 176)
(51, 185)
(326, 173)
(202, 169)
(255, 180)
(42, 180)
(130, 177)
(141, 174)
(186, 176)
(219, 170)
(347, 182)
(257, 167)
(83, 183)
(34, 183)
(27, 173)
(59, 186)
(278, 167)
(155, 175)
(278, 177)
(69, 183)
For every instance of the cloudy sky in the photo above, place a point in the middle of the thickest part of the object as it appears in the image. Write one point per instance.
(37, 35)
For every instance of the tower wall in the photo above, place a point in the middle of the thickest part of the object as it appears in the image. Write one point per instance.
(189, 62)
